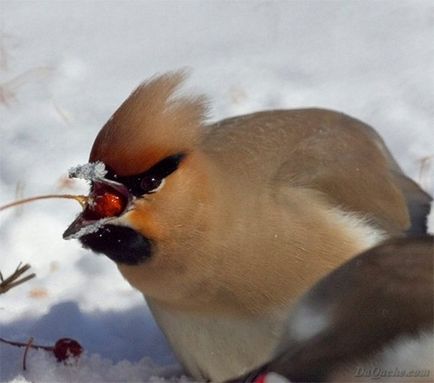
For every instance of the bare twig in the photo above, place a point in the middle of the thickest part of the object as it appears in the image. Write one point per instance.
(13, 280)
(22, 344)
(81, 199)
(28, 345)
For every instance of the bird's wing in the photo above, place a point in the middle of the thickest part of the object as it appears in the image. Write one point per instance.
(355, 311)
(350, 165)
(335, 154)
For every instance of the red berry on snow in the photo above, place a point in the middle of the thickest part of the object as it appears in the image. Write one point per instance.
(66, 348)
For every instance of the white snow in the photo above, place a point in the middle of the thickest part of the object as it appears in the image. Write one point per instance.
(88, 229)
(90, 172)
(65, 66)
(431, 219)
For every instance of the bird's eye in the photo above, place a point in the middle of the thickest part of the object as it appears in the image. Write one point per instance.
(151, 184)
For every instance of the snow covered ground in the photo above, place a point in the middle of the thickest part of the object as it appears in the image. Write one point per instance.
(66, 65)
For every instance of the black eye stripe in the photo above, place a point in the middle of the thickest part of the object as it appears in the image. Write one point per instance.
(149, 180)
(166, 166)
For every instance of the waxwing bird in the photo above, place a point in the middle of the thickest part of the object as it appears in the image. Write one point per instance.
(223, 226)
(370, 319)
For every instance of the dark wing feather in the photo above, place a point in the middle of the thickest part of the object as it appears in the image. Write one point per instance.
(370, 301)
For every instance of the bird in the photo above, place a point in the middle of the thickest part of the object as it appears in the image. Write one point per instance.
(223, 225)
(376, 310)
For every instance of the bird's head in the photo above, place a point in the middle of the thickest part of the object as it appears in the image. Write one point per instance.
(149, 188)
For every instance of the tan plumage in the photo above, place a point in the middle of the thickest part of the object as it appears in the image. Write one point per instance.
(151, 124)
(260, 207)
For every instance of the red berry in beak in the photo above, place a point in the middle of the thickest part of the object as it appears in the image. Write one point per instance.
(106, 200)
(108, 204)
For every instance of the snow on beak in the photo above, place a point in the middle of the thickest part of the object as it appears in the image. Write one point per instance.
(107, 200)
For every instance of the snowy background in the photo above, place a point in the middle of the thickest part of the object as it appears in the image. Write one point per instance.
(65, 66)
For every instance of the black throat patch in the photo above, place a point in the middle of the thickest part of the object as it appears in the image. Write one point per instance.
(120, 243)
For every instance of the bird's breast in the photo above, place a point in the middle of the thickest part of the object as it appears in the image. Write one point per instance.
(217, 348)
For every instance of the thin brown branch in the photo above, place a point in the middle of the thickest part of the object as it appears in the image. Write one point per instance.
(14, 279)
(28, 345)
(22, 344)
(81, 199)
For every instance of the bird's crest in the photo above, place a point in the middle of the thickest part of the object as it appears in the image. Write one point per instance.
(151, 124)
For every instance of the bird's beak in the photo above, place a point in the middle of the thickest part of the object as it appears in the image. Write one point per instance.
(107, 201)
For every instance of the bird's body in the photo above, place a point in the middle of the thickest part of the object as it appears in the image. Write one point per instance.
(243, 216)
